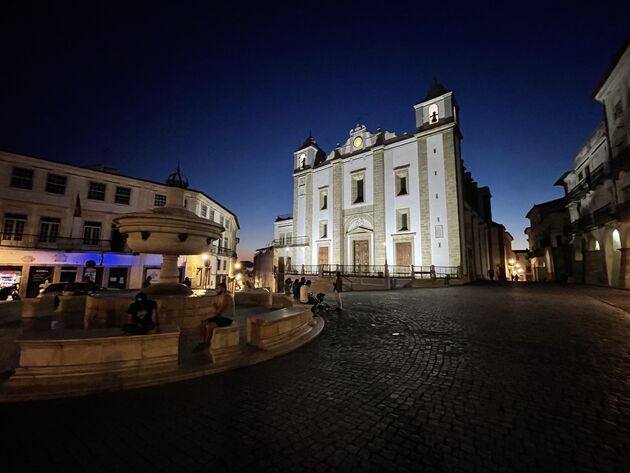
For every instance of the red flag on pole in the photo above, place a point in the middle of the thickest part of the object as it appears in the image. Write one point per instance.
(77, 207)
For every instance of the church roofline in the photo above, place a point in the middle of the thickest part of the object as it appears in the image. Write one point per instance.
(436, 90)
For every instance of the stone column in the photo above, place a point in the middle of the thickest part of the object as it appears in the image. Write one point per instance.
(624, 268)
(337, 216)
(169, 272)
(379, 206)
(453, 199)
(425, 217)
(309, 220)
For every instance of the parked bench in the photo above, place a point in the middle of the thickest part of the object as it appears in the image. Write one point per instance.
(68, 354)
(273, 329)
(225, 343)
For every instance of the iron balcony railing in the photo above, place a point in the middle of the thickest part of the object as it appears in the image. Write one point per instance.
(437, 272)
(376, 271)
(51, 242)
(603, 214)
(600, 216)
(400, 271)
(221, 251)
(290, 241)
(363, 270)
(306, 269)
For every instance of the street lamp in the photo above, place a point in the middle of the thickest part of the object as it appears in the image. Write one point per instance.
(236, 278)
(385, 245)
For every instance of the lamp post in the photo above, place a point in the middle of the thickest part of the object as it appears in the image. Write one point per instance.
(385, 245)
(237, 266)
(206, 265)
(387, 279)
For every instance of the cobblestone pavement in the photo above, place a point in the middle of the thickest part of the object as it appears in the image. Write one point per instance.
(511, 378)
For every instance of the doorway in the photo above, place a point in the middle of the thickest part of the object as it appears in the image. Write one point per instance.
(403, 254)
(323, 255)
(36, 276)
(117, 278)
(360, 255)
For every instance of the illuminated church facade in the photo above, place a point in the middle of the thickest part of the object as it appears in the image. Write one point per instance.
(397, 199)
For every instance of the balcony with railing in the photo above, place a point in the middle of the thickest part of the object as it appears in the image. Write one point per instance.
(290, 241)
(222, 251)
(57, 243)
(603, 214)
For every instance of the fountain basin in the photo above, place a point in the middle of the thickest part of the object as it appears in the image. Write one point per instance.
(102, 311)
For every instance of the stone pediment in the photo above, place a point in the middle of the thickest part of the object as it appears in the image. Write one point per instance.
(359, 224)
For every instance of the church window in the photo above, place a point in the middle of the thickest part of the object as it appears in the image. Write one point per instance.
(436, 195)
(302, 161)
(323, 199)
(402, 178)
(358, 196)
(204, 211)
(323, 229)
(434, 116)
(402, 220)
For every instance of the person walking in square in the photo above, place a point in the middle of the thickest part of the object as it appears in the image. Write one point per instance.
(338, 288)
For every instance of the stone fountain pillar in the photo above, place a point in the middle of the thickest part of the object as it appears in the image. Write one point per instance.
(172, 231)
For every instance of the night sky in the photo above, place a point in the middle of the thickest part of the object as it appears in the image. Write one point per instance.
(230, 91)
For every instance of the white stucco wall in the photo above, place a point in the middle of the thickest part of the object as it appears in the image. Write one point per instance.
(404, 154)
(322, 178)
(350, 165)
(437, 206)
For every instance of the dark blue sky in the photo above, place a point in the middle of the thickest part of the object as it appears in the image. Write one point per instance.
(230, 91)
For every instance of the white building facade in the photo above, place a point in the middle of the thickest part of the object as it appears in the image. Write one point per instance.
(386, 199)
(57, 225)
(597, 189)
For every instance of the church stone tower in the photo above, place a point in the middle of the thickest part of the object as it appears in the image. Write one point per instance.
(305, 158)
(440, 166)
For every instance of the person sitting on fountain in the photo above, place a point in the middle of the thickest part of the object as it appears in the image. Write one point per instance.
(218, 320)
(142, 316)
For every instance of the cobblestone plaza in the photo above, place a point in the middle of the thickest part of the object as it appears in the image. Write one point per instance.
(488, 378)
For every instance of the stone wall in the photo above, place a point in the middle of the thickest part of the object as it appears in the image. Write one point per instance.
(594, 267)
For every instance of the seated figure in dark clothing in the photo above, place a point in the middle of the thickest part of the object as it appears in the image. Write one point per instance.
(142, 316)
